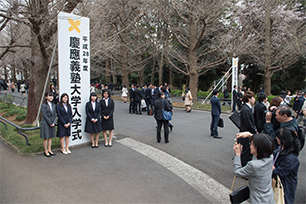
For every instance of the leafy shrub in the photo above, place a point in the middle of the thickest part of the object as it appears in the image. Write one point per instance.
(21, 117)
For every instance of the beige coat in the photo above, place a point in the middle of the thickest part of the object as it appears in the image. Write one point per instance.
(188, 98)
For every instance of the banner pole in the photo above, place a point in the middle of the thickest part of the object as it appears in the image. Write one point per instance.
(43, 94)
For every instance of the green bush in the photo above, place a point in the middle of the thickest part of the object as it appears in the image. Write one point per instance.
(14, 111)
(21, 117)
(176, 92)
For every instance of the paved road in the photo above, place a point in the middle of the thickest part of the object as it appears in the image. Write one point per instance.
(123, 173)
(191, 142)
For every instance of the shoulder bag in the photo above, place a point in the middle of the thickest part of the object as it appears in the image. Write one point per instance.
(278, 191)
(241, 194)
(167, 115)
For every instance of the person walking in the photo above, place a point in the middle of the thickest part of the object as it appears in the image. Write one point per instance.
(215, 114)
(259, 169)
(47, 127)
(93, 124)
(22, 89)
(64, 114)
(161, 104)
(124, 93)
(107, 111)
(188, 99)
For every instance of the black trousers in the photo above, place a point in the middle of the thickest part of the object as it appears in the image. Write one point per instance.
(132, 106)
(137, 107)
(166, 130)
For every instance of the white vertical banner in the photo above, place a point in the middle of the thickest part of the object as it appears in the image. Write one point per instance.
(74, 69)
(234, 75)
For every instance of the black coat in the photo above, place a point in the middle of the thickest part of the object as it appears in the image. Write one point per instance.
(260, 115)
(143, 93)
(91, 127)
(107, 111)
(63, 118)
(235, 95)
(158, 108)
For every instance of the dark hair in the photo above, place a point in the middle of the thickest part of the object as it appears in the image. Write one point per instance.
(276, 101)
(287, 91)
(284, 110)
(215, 91)
(160, 94)
(48, 94)
(61, 101)
(247, 95)
(261, 96)
(288, 138)
(93, 94)
(106, 90)
(264, 145)
(187, 89)
(234, 86)
(163, 89)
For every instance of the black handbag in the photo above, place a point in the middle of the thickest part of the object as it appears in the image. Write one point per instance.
(239, 195)
(220, 123)
(235, 118)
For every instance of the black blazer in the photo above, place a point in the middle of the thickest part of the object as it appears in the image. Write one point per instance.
(215, 105)
(235, 95)
(137, 95)
(63, 116)
(246, 120)
(158, 108)
(143, 93)
(260, 115)
(91, 114)
(109, 110)
(131, 93)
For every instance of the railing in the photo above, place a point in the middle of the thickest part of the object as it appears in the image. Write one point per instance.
(18, 128)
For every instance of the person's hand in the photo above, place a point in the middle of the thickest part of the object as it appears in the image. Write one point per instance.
(273, 108)
(273, 168)
(95, 120)
(243, 134)
(237, 149)
(268, 117)
(52, 125)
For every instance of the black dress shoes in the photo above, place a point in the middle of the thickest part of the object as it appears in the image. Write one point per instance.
(171, 127)
(47, 155)
(217, 137)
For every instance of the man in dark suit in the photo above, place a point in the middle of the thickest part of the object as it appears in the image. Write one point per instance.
(215, 114)
(260, 110)
(235, 98)
(247, 124)
(132, 99)
(137, 100)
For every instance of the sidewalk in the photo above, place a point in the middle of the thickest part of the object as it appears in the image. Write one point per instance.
(119, 174)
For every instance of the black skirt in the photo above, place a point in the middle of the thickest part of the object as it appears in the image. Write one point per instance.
(91, 127)
(108, 124)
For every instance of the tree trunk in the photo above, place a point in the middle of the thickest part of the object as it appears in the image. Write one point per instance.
(124, 61)
(161, 68)
(194, 76)
(14, 74)
(107, 71)
(268, 72)
(39, 71)
(153, 70)
(141, 78)
(170, 77)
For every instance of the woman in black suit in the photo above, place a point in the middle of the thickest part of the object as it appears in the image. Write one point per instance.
(158, 105)
(93, 124)
(107, 108)
(64, 115)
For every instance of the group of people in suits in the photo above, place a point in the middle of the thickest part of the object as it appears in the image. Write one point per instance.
(148, 93)
(99, 117)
